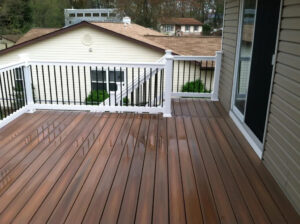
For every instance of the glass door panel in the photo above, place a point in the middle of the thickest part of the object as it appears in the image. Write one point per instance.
(244, 60)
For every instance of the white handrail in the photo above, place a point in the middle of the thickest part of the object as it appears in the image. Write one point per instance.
(194, 58)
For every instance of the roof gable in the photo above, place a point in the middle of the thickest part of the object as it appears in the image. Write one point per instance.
(131, 32)
(180, 21)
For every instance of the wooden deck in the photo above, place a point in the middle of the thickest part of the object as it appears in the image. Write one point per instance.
(79, 167)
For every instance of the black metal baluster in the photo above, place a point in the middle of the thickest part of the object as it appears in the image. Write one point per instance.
(6, 97)
(43, 74)
(92, 98)
(204, 87)
(50, 84)
(55, 82)
(67, 77)
(200, 70)
(38, 82)
(61, 86)
(160, 86)
(97, 87)
(155, 88)
(127, 86)
(78, 68)
(2, 94)
(9, 92)
(24, 92)
(150, 87)
(103, 90)
(74, 96)
(85, 84)
(17, 99)
(116, 86)
(195, 68)
(32, 86)
(108, 86)
(138, 89)
(189, 76)
(183, 74)
(132, 91)
(121, 103)
(178, 67)
(13, 88)
(163, 82)
(145, 88)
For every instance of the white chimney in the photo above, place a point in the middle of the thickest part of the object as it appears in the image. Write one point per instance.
(126, 20)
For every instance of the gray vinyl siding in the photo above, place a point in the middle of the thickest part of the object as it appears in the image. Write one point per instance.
(282, 146)
(231, 20)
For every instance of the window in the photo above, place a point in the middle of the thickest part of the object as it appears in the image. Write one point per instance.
(19, 82)
(79, 14)
(98, 79)
(119, 75)
(187, 28)
(168, 28)
(103, 14)
(196, 28)
(72, 15)
(96, 14)
(99, 82)
(88, 15)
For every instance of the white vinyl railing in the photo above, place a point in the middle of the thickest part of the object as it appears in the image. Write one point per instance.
(109, 86)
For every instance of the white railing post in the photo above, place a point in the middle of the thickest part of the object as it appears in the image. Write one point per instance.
(28, 87)
(168, 83)
(215, 92)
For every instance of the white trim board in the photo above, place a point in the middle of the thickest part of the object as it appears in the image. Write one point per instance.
(254, 143)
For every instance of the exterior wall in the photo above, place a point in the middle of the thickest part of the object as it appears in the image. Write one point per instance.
(85, 44)
(4, 43)
(281, 152)
(229, 43)
(282, 146)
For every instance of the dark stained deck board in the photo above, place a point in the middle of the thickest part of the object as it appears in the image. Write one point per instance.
(130, 198)
(35, 201)
(176, 199)
(44, 127)
(122, 168)
(269, 182)
(33, 149)
(161, 191)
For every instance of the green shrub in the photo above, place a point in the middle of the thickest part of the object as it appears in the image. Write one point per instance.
(195, 86)
(125, 101)
(96, 97)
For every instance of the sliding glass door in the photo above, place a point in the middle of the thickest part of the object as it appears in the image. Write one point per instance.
(244, 57)
(255, 59)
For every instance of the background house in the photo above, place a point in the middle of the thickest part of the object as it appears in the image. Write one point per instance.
(108, 42)
(180, 26)
(7, 41)
(73, 16)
